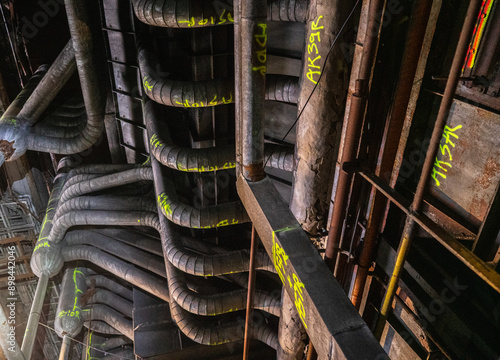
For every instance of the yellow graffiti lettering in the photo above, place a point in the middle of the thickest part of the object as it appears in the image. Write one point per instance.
(223, 223)
(262, 38)
(314, 25)
(312, 62)
(163, 202)
(310, 48)
(41, 245)
(262, 69)
(203, 22)
(434, 176)
(445, 150)
(448, 132)
(189, 23)
(310, 75)
(146, 84)
(439, 164)
(311, 37)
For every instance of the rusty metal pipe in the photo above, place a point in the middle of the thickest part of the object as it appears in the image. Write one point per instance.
(252, 61)
(394, 127)
(354, 124)
(444, 110)
(311, 353)
(250, 296)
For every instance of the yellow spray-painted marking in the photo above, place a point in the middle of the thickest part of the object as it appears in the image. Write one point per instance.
(146, 84)
(280, 260)
(75, 312)
(41, 245)
(314, 68)
(212, 102)
(441, 166)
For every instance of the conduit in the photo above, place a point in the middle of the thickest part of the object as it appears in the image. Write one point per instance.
(54, 80)
(111, 317)
(103, 296)
(107, 181)
(210, 159)
(101, 327)
(199, 13)
(104, 282)
(69, 314)
(128, 272)
(134, 239)
(128, 253)
(194, 94)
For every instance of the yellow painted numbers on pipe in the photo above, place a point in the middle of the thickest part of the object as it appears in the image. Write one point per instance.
(313, 56)
(261, 40)
(444, 158)
(222, 19)
(280, 259)
(214, 102)
(41, 245)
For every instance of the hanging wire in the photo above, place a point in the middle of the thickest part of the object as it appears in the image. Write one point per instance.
(316, 85)
(14, 53)
(91, 347)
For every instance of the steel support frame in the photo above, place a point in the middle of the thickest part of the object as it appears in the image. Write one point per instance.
(331, 321)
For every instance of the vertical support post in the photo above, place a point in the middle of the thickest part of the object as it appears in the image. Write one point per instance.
(34, 317)
(444, 111)
(250, 295)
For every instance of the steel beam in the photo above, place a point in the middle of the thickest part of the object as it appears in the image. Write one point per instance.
(331, 321)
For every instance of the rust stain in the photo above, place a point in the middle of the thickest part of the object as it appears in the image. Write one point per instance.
(255, 172)
(478, 208)
(491, 169)
(7, 148)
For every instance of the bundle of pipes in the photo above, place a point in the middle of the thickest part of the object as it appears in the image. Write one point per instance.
(73, 202)
(18, 132)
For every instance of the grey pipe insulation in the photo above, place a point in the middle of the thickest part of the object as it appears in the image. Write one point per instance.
(101, 327)
(194, 94)
(103, 296)
(99, 346)
(210, 159)
(198, 13)
(102, 281)
(140, 241)
(110, 316)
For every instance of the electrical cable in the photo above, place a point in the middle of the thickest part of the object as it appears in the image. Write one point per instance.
(319, 79)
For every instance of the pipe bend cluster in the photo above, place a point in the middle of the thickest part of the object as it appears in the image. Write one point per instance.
(199, 13)
(283, 88)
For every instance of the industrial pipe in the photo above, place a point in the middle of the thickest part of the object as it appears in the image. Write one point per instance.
(444, 111)
(199, 13)
(63, 354)
(128, 272)
(54, 80)
(113, 318)
(104, 282)
(353, 125)
(134, 239)
(101, 327)
(103, 296)
(252, 62)
(411, 56)
(321, 107)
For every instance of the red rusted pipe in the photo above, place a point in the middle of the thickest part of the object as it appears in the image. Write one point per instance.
(416, 36)
(354, 124)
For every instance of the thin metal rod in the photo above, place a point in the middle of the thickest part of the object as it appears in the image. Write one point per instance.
(444, 111)
(394, 127)
(311, 353)
(63, 355)
(34, 317)
(353, 125)
(250, 296)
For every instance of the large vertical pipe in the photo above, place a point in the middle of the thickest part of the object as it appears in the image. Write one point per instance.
(444, 111)
(34, 317)
(253, 65)
(353, 125)
(318, 130)
(416, 36)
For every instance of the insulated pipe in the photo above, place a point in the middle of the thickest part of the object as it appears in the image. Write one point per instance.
(134, 239)
(12, 132)
(128, 253)
(34, 317)
(210, 159)
(58, 131)
(107, 181)
(319, 127)
(107, 202)
(111, 317)
(110, 218)
(188, 216)
(104, 282)
(101, 327)
(128, 272)
(102, 296)
(353, 124)
(221, 303)
(54, 80)
(198, 13)
(444, 111)
(416, 36)
(46, 257)
(217, 332)
(113, 343)
(120, 354)
(69, 313)
(197, 264)
(206, 93)
(253, 66)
